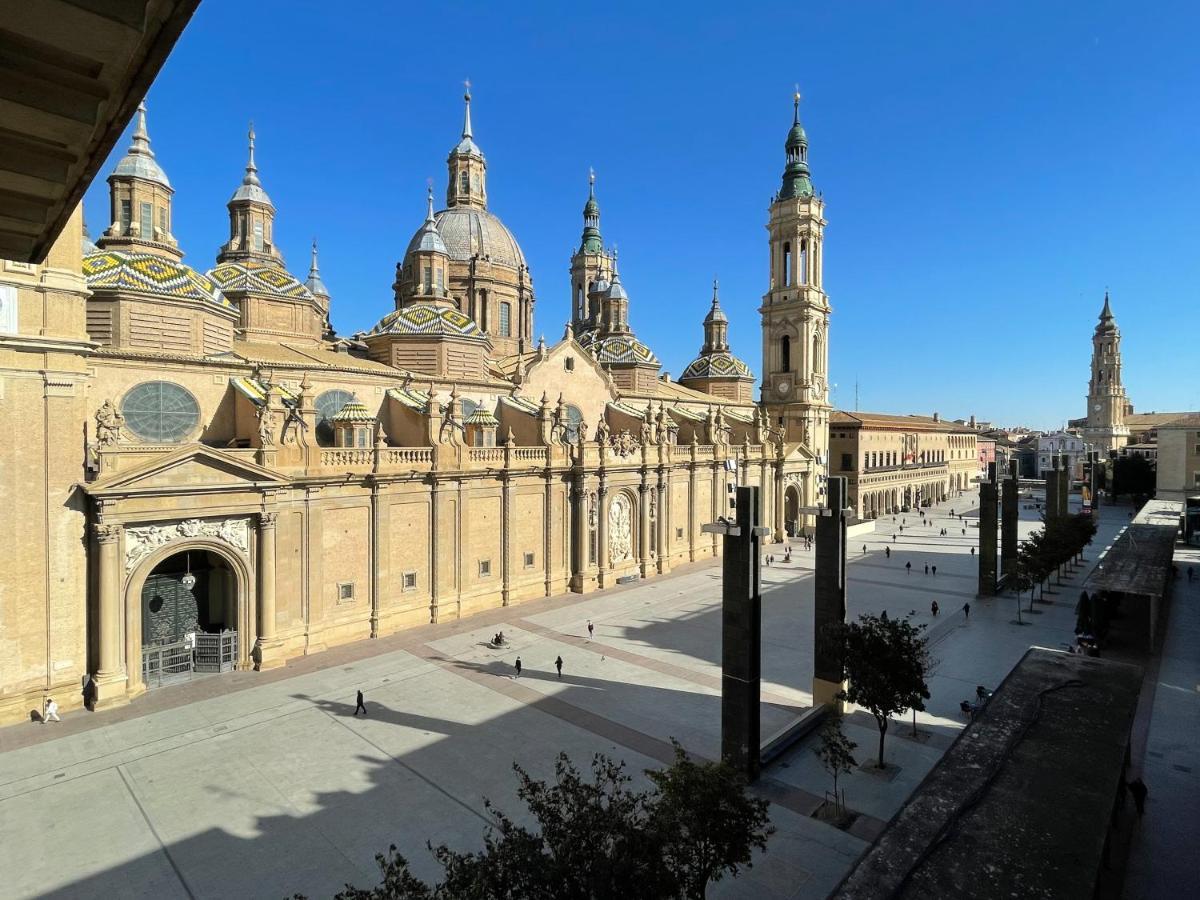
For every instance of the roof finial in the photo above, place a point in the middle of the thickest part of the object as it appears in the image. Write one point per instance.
(467, 120)
(251, 168)
(141, 137)
(313, 270)
(796, 106)
(429, 200)
(715, 285)
(591, 182)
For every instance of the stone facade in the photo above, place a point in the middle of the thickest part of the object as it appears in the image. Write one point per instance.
(898, 462)
(200, 455)
(1105, 428)
(1178, 472)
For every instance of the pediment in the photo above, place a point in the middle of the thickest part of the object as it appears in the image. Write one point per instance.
(188, 469)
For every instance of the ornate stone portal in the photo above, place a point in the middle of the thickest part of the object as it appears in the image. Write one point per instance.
(141, 541)
(620, 529)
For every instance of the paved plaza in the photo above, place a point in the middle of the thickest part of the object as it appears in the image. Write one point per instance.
(264, 784)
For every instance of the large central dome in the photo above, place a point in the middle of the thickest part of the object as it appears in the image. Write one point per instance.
(470, 231)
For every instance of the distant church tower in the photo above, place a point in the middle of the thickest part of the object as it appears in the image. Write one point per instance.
(1105, 427)
(795, 311)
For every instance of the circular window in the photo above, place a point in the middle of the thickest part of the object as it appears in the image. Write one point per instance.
(329, 404)
(160, 412)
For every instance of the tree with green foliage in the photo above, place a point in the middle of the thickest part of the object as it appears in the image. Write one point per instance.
(1133, 476)
(885, 662)
(836, 752)
(598, 838)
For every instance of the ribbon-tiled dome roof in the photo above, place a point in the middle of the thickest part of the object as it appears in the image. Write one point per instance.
(617, 348)
(354, 412)
(259, 278)
(146, 273)
(468, 231)
(721, 364)
(427, 318)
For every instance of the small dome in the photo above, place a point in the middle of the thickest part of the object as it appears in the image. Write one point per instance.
(482, 416)
(715, 314)
(254, 192)
(257, 277)
(796, 135)
(146, 273)
(599, 286)
(427, 319)
(469, 231)
(721, 364)
(139, 161)
(354, 412)
(620, 349)
(616, 290)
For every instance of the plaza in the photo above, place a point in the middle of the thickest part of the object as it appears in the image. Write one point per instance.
(265, 784)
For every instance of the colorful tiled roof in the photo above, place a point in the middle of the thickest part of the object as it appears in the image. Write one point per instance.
(354, 411)
(482, 416)
(416, 400)
(426, 318)
(721, 364)
(616, 348)
(146, 273)
(259, 278)
(256, 391)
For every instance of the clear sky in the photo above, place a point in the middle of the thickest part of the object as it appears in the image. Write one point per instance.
(988, 170)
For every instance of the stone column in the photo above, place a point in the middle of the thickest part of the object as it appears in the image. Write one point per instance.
(693, 525)
(506, 538)
(548, 535)
(780, 493)
(580, 535)
(644, 527)
(110, 678)
(268, 646)
(602, 533)
(664, 524)
(435, 489)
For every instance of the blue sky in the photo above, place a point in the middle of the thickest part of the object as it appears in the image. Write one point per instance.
(988, 170)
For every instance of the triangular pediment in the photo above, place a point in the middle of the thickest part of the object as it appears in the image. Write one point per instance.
(191, 468)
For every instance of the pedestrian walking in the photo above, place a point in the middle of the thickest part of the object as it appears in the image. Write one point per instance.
(933, 608)
(964, 531)
(591, 629)
(864, 549)
(926, 568)
(935, 570)
(967, 610)
(1137, 787)
(359, 704)
(893, 537)
(902, 529)
(972, 551)
(908, 568)
(887, 551)
(558, 665)
(518, 667)
(51, 712)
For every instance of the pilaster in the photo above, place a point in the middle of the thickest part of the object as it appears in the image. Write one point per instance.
(110, 680)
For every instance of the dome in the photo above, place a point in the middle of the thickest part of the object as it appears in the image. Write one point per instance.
(256, 277)
(721, 364)
(427, 319)
(139, 161)
(796, 135)
(146, 273)
(355, 412)
(468, 231)
(252, 192)
(599, 286)
(616, 290)
(618, 349)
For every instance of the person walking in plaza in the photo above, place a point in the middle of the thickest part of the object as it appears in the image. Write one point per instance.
(359, 704)
(1137, 787)
(591, 629)
(893, 537)
(864, 549)
(972, 551)
(926, 568)
(934, 570)
(908, 568)
(558, 665)
(51, 714)
(887, 551)
(967, 610)
(518, 667)
(933, 608)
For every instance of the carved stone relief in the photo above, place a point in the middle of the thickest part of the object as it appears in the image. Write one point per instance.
(141, 541)
(620, 529)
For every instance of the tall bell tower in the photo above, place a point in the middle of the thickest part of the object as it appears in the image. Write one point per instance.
(795, 310)
(1105, 428)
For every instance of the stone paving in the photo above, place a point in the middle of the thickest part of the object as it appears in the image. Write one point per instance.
(264, 784)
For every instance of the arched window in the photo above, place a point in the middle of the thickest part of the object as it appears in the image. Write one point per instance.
(816, 353)
(803, 278)
(160, 412)
(785, 353)
(464, 181)
(505, 320)
(579, 311)
(328, 405)
(787, 264)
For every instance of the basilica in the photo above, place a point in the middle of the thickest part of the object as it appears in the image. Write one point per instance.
(200, 475)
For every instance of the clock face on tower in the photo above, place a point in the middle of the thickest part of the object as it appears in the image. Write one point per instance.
(783, 386)
(1096, 407)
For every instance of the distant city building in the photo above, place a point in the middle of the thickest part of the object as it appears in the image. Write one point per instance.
(898, 462)
(1178, 464)
(1105, 426)
(1055, 444)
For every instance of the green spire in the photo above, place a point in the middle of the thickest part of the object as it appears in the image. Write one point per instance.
(592, 243)
(796, 181)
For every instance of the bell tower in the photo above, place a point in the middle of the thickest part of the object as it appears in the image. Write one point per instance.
(795, 310)
(1105, 427)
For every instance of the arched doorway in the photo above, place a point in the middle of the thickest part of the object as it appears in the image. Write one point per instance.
(791, 510)
(189, 616)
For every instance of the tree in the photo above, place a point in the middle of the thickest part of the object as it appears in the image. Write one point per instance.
(1133, 476)
(884, 661)
(1022, 579)
(836, 753)
(598, 838)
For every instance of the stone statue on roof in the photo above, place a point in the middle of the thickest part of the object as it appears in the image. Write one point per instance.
(109, 424)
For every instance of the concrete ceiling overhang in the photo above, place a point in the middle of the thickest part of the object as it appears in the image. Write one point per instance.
(72, 73)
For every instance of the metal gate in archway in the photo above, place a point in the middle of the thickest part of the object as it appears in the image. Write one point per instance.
(216, 652)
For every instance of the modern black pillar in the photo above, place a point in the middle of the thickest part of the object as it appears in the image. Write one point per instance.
(1008, 523)
(829, 591)
(1064, 486)
(741, 635)
(987, 534)
(1051, 477)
